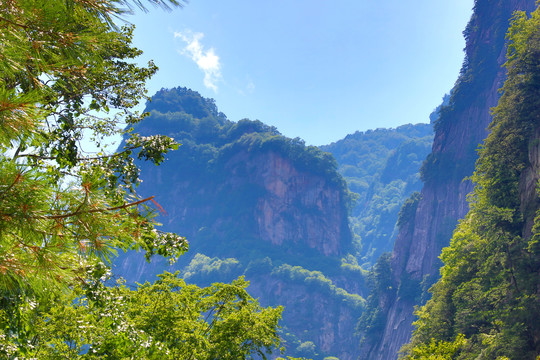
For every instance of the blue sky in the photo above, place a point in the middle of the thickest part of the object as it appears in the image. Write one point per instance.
(315, 69)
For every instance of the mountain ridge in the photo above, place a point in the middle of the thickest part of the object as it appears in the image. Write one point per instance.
(460, 129)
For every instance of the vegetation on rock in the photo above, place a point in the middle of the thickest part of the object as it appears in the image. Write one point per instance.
(382, 168)
(486, 303)
(214, 189)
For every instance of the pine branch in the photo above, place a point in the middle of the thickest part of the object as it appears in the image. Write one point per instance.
(14, 23)
(89, 158)
(75, 213)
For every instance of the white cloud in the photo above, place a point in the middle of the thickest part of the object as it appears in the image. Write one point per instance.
(250, 87)
(206, 60)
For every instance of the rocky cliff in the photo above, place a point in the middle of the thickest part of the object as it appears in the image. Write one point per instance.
(294, 205)
(254, 203)
(260, 196)
(460, 129)
(315, 311)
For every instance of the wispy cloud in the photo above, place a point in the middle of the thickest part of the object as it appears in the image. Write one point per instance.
(250, 86)
(245, 88)
(206, 59)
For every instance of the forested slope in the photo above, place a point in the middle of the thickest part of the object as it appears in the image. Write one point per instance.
(487, 302)
(432, 216)
(382, 168)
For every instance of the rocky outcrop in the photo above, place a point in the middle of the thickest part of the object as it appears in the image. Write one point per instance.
(461, 128)
(254, 203)
(310, 314)
(262, 196)
(297, 206)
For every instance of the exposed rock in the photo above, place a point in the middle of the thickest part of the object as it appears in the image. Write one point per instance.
(286, 206)
(443, 199)
(331, 323)
(270, 207)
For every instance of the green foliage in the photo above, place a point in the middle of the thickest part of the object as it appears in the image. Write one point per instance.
(205, 270)
(195, 121)
(259, 266)
(317, 280)
(307, 348)
(68, 74)
(183, 100)
(69, 78)
(350, 265)
(381, 168)
(439, 350)
(443, 167)
(486, 303)
(409, 288)
(371, 323)
(164, 320)
(407, 213)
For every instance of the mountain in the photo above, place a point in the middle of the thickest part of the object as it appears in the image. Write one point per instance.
(254, 203)
(382, 168)
(430, 218)
(487, 302)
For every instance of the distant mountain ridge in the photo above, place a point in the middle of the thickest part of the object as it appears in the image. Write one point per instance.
(382, 167)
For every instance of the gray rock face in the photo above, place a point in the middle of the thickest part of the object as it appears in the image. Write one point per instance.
(330, 323)
(285, 205)
(444, 200)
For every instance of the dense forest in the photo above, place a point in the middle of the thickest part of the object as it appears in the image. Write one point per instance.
(381, 168)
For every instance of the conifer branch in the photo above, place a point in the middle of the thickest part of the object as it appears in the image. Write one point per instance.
(75, 213)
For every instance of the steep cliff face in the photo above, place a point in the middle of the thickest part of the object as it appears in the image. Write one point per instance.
(266, 194)
(332, 331)
(254, 203)
(294, 206)
(461, 128)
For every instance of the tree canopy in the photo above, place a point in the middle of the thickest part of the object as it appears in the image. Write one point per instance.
(68, 75)
(69, 81)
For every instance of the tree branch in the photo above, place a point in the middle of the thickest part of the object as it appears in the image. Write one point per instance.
(63, 216)
(40, 157)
